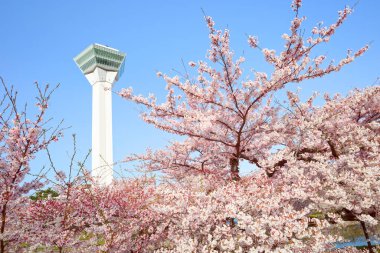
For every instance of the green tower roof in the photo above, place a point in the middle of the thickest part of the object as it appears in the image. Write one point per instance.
(100, 56)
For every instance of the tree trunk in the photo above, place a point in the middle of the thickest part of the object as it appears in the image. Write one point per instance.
(370, 247)
(2, 229)
(234, 168)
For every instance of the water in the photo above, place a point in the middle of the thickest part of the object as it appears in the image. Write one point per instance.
(360, 241)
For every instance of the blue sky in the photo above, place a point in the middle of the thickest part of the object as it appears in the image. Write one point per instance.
(40, 38)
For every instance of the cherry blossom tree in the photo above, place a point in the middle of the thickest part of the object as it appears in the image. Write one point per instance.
(86, 217)
(315, 159)
(332, 153)
(125, 219)
(253, 215)
(56, 220)
(20, 139)
(329, 164)
(225, 117)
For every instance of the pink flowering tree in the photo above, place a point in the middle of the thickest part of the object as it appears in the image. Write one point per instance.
(86, 217)
(300, 153)
(252, 215)
(124, 218)
(329, 165)
(58, 220)
(20, 139)
(332, 152)
(226, 118)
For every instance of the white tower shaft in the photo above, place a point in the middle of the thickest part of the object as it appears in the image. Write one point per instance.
(102, 151)
(102, 160)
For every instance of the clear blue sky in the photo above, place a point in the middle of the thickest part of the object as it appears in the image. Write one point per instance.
(40, 38)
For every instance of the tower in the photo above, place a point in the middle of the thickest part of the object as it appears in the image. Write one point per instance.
(102, 66)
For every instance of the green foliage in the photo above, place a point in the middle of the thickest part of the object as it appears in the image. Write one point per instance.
(317, 215)
(101, 241)
(86, 236)
(44, 194)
